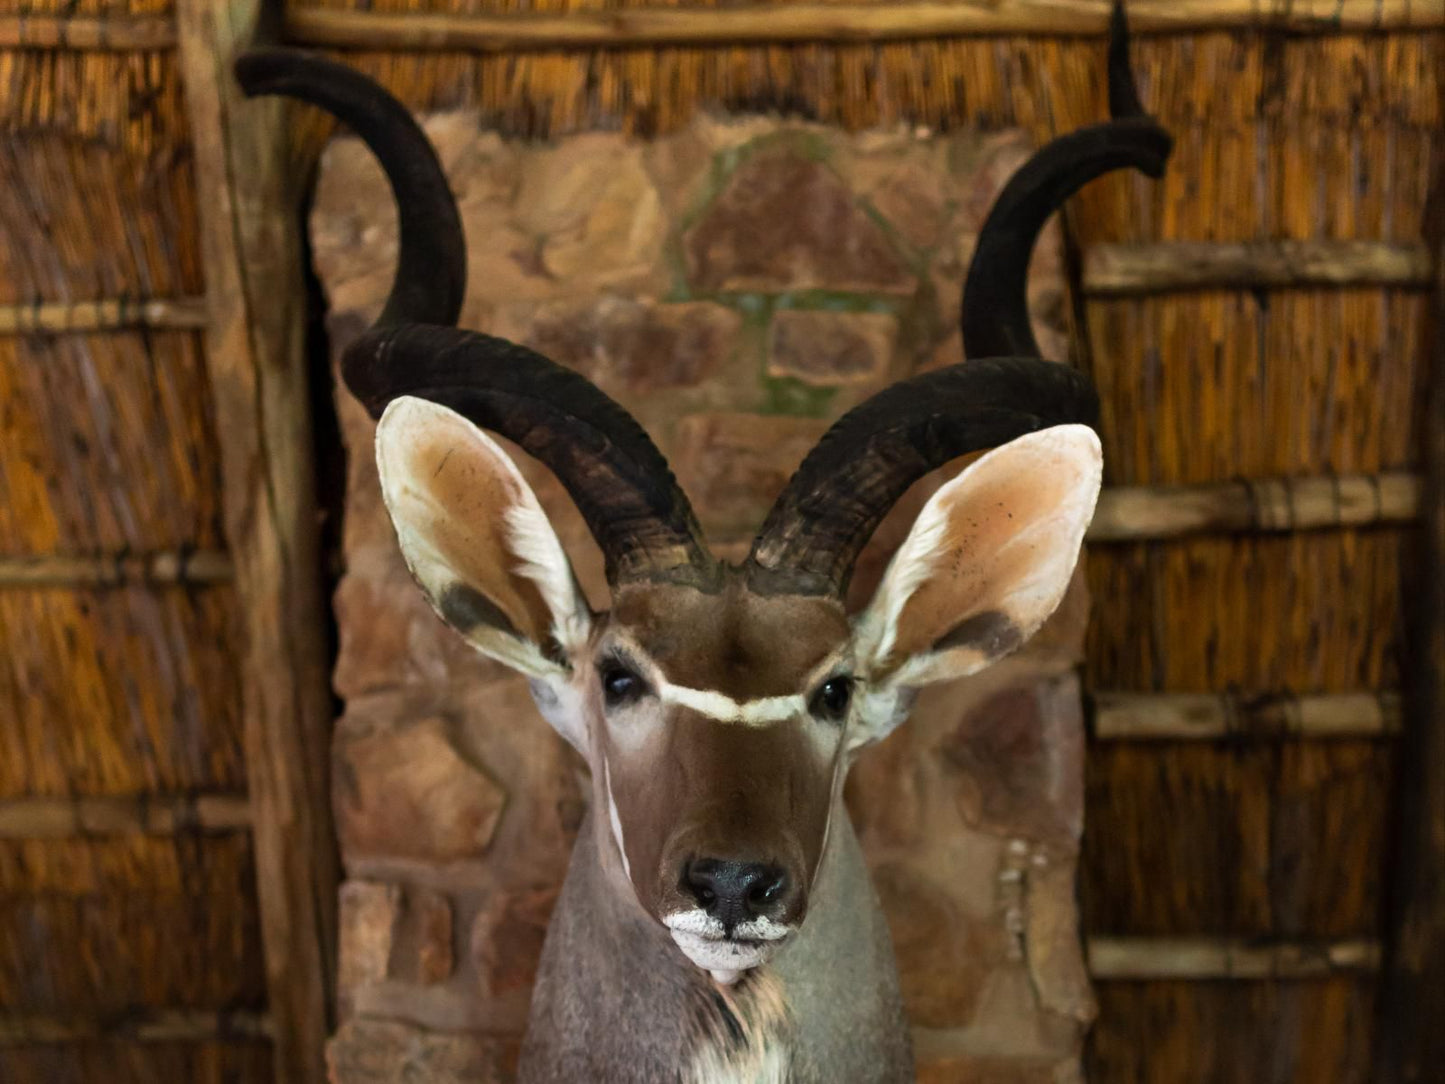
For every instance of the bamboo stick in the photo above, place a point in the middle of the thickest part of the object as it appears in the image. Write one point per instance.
(1266, 504)
(140, 1025)
(1112, 270)
(256, 358)
(826, 22)
(146, 814)
(1143, 958)
(88, 32)
(115, 570)
(1119, 716)
(113, 314)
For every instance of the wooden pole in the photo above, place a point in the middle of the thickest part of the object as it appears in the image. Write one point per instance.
(145, 814)
(1119, 716)
(1203, 958)
(258, 372)
(87, 32)
(116, 570)
(827, 22)
(1265, 504)
(1112, 270)
(114, 314)
(1411, 1026)
(141, 1025)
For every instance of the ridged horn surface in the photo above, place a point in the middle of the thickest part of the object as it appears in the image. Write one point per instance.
(872, 454)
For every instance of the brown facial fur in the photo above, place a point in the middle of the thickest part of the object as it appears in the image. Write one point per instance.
(694, 787)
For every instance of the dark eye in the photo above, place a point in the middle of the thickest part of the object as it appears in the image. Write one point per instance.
(620, 685)
(830, 701)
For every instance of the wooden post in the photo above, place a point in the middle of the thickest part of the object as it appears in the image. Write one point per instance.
(1411, 1043)
(257, 367)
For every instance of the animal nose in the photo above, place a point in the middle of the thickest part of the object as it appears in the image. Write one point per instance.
(736, 892)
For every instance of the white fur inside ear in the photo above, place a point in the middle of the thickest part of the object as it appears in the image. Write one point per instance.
(409, 424)
(542, 560)
(1073, 449)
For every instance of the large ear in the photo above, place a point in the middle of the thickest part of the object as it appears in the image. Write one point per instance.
(476, 539)
(986, 563)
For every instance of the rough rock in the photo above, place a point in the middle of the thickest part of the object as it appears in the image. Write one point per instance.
(409, 792)
(376, 1052)
(787, 222)
(828, 348)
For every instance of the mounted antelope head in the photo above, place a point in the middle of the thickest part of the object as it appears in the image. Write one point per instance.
(718, 706)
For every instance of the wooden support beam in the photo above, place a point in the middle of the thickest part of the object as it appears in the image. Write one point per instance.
(114, 314)
(115, 570)
(1113, 270)
(256, 358)
(1127, 513)
(1120, 716)
(143, 814)
(139, 1025)
(116, 33)
(767, 24)
(1114, 959)
(1411, 1038)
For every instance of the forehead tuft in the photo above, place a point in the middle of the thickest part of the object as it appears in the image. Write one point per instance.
(733, 642)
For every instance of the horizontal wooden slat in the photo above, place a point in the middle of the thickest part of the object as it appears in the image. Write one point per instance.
(87, 32)
(147, 814)
(1120, 716)
(833, 22)
(1112, 270)
(144, 1025)
(201, 567)
(1142, 958)
(1265, 504)
(111, 314)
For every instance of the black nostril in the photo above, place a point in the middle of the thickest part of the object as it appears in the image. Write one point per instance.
(734, 891)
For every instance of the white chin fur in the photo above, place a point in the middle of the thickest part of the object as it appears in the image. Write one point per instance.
(725, 957)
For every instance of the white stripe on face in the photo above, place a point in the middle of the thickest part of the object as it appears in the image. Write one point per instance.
(764, 711)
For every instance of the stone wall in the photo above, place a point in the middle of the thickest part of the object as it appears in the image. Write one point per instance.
(737, 285)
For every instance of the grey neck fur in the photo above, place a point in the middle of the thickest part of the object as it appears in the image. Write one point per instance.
(616, 1000)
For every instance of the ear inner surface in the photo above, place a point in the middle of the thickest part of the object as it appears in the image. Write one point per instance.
(475, 537)
(988, 559)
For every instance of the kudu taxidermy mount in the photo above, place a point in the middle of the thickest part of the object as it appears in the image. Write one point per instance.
(717, 922)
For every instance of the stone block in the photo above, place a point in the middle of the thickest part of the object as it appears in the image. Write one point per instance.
(787, 222)
(829, 348)
(384, 1052)
(421, 951)
(639, 345)
(366, 919)
(734, 465)
(408, 792)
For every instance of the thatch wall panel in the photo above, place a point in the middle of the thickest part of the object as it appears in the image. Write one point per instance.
(119, 691)
(1219, 385)
(233, 1062)
(1253, 840)
(121, 102)
(1233, 1033)
(188, 939)
(80, 219)
(1311, 612)
(106, 444)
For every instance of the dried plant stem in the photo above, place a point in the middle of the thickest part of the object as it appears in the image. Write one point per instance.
(815, 22)
(114, 570)
(142, 1025)
(108, 315)
(1122, 716)
(1141, 958)
(116, 33)
(1113, 270)
(1266, 504)
(146, 814)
